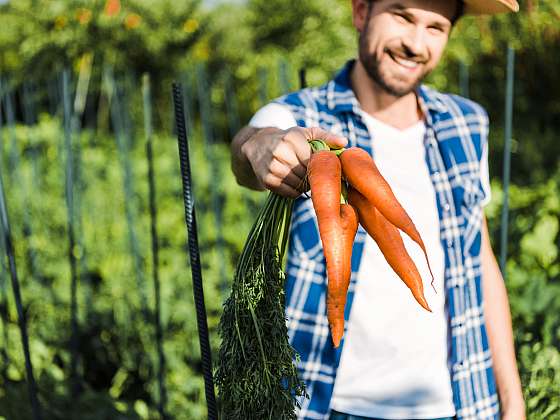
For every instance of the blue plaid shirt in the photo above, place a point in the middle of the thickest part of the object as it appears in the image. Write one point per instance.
(456, 132)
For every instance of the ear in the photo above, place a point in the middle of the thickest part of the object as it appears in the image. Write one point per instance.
(360, 13)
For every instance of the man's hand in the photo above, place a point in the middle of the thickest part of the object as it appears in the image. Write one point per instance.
(277, 159)
(514, 410)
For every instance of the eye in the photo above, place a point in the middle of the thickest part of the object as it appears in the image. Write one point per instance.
(436, 29)
(402, 18)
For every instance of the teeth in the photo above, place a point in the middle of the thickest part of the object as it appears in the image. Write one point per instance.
(406, 63)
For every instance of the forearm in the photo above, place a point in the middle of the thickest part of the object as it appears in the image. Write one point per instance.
(500, 333)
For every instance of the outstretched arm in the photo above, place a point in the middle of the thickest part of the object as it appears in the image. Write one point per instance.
(500, 333)
(274, 159)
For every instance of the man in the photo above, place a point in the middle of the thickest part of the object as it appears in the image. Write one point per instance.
(396, 361)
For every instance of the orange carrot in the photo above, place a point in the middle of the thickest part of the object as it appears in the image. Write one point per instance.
(362, 173)
(390, 243)
(349, 223)
(324, 175)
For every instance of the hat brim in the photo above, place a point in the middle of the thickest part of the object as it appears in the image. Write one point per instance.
(490, 7)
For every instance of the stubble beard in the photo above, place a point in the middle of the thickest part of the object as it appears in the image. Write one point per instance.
(372, 67)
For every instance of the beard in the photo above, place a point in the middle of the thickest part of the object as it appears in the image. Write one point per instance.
(390, 82)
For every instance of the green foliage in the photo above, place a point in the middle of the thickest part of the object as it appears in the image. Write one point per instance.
(117, 347)
(533, 282)
(48, 34)
(256, 373)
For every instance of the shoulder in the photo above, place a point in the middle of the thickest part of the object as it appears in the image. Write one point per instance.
(457, 106)
(311, 98)
(308, 106)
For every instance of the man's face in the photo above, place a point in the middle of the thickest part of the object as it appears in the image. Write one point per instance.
(401, 41)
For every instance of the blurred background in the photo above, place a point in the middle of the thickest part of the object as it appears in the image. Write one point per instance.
(85, 92)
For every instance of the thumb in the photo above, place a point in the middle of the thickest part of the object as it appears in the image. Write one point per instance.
(333, 140)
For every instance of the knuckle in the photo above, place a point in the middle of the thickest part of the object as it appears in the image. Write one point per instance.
(270, 181)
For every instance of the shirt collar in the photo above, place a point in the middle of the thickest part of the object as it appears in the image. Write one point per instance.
(341, 98)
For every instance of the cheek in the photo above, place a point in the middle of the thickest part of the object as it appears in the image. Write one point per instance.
(437, 47)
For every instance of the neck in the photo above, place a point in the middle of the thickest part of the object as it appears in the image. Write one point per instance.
(399, 112)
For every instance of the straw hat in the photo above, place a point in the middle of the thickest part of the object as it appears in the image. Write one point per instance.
(490, 7)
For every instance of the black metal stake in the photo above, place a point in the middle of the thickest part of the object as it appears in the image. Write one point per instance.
(32, 386)
(146, 93)
(194, 252)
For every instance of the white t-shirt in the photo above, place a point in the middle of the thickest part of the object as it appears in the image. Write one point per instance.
(394, 362)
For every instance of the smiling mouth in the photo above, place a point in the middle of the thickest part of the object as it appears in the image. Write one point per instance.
(408, 64)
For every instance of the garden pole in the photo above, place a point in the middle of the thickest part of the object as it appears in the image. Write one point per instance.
(53, 94)
(15, 177)
(72, 248)
(464, 78)
(262, 75)
(188, 100)
(507, 157)
(29, 117)
(9, 248)
(194, 252)
(123, 142)
(302, 78)
(82, 88)
(231, 107)
(148, 129)
(4, 317)
(215, 179)
(283, 76)
(3, 284)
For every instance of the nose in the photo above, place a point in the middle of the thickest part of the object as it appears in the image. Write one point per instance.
(413, 41)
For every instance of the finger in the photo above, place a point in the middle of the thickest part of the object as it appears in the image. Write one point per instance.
(285, 173)
(297, 138)
(287, 191)
(333, 140)
(276, 184)
(285, 153)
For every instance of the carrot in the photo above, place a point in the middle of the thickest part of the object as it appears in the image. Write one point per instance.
(362, 174)
(349, 223)
(335, 223)
(389, 240)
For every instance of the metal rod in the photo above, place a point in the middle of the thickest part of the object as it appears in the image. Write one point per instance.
(283, 70)
(9, 248)
(232, 110)
(464, 79)
(302, 78)
(29, 119)
(194, 252)
(209, 144)
(123, 142)
(3, 284)
(69, 194)
(262, 75)
(79, 105)
(148, 129)
(507, 157)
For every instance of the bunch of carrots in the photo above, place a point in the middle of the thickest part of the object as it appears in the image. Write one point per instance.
(347, 189)
(256, 373)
